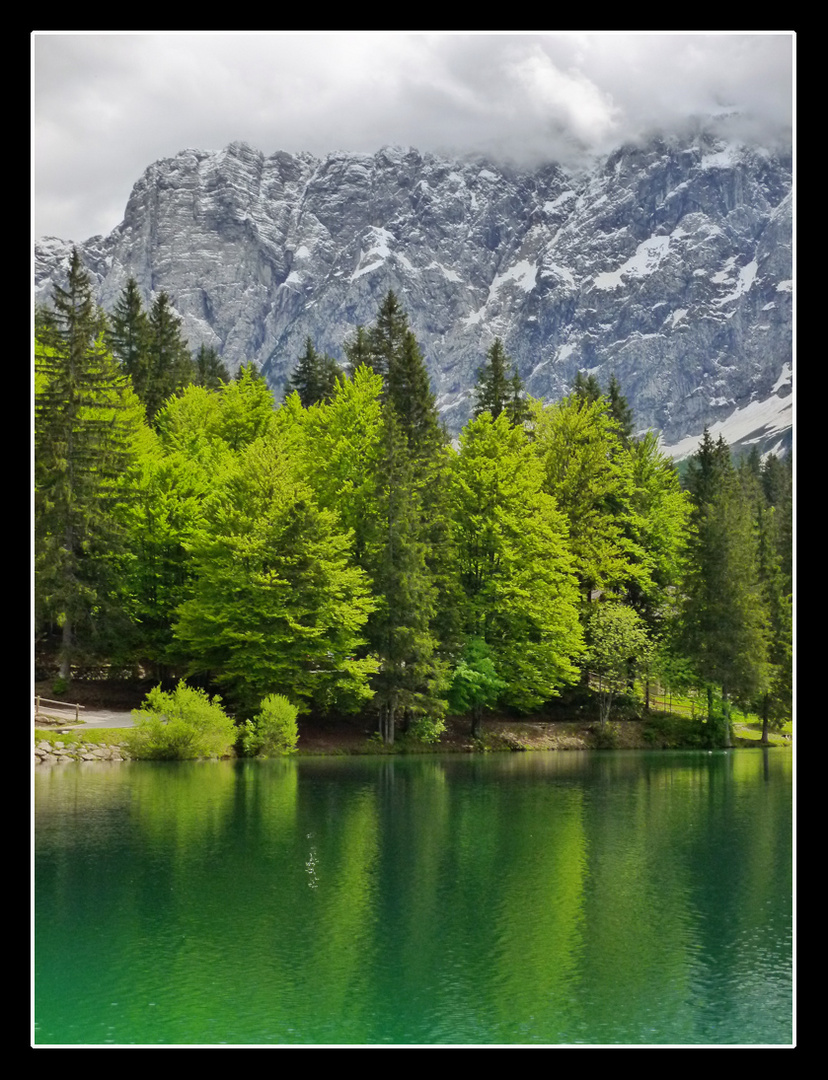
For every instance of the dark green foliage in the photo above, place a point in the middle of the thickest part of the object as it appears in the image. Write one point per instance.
(499, 387)
(168, 366)
(128, 333)
(586, 388)
(620, 411)
(84, 432)
(209, 370)
(724, 617)
(411, 676)
(314, 378)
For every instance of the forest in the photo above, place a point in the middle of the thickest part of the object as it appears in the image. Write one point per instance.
(337, 549)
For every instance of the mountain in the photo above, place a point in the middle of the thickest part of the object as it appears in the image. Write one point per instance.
(668, 264)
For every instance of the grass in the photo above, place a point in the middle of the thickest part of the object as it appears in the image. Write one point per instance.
(101, 736)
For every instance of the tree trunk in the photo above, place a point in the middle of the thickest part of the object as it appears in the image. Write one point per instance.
(764, 740)
(726, 718)
(477, 717)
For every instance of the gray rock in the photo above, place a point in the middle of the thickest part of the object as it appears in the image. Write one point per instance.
(667, 264)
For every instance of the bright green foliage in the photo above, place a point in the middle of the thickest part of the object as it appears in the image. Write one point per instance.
(277, 602)
(336, 446)
(618, 645)
(592, 481)
(180, 724)
(660, 525)
(314, 378)
(515, 568)
(475, 684)
(87, 426)
(273, 731)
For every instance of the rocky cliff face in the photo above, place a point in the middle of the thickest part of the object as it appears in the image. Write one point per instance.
(668, 265)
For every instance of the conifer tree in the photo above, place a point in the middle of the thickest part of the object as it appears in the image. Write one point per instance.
(620, 411)
(314, 377)
(85, 429)
(499, 387)
(128, 333)
(586, 388)
(724, 617)
(209, 369)
(169, 366)
(411, 678)
(494, 389)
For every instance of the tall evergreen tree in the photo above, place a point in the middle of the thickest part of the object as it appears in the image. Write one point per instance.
(209, 369)
(499, 387)
(169, 366)
(314, 377)
(620, 411)
(411, 678)
(85, 429)
(724, 617)
(128, 334)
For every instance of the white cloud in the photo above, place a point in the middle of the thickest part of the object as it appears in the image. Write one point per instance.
(107, 105)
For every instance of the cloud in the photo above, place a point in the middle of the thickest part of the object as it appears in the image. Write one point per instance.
(108, 105)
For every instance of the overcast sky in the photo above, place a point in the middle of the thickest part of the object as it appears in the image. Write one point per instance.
(105, 106)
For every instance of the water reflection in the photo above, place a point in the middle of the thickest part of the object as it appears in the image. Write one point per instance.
(525, 898)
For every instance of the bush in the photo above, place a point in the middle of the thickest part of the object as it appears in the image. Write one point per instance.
(426, 730)
(273, 731)
(183, 723)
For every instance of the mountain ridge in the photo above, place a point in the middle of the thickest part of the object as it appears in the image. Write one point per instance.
(667, 264)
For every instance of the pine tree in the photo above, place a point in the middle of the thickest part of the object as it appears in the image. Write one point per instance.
(209, 370)
(620, 411)
(411, 678)
(493, 390)
(724, 617)
(85, 426)
(314, 377)
(169, 366)
(128, 334)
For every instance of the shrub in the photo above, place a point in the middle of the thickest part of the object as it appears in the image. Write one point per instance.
(273, 731)
(425, 729)
(182, 723)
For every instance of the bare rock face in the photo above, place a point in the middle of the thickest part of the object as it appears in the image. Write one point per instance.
(668, 265)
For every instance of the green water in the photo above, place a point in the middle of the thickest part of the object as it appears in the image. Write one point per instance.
(538, 899)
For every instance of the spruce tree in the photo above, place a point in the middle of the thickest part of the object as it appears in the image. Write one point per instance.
(169, 366)
(209, 370)
(411, 677)
(620, 411)
(499, 387)
(128, 334)
(724, 617)
(84, 443)
(314, 377)
(493, 390)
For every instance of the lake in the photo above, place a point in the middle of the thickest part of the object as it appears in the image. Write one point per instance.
(578, 898)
